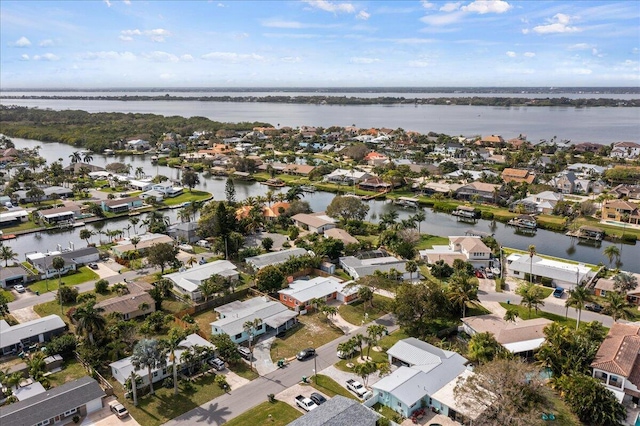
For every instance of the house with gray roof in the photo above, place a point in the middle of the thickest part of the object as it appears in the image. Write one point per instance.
(12, 275)
(424, 370)
(188, 281)
(274, 258)
(80, 397)
(338, 411)
(13, 338)
(274, 316)
(73, 259)
(366, 263)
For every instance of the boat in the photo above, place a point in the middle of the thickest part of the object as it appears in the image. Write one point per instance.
(308, 188)
(407, 202)
(274, 182)
(496, 271)
(154, 159)
(524, 223)
(466, 213)
(109, 152)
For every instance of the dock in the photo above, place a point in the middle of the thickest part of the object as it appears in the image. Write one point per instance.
(587, 233)
(466, 214)
(524, 223)
(407, 202)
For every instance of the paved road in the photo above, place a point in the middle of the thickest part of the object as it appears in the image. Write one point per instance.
(226, 407)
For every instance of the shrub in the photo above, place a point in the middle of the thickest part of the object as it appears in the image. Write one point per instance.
(629, 238)
(168, 382)
(546, 281)
(68, 295)
(487, 215)
(272, 398)
(222, 382)
(102, 286)
(383, 421)
(76, 419)
(286, 244)
(62, 345)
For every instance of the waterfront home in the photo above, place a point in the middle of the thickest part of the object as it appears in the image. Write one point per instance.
(621, 211)
(13, 275)
(521, 338)
(491, 140)
(168, 189)
(346, 177)
(605, 286)
(73, 259)
(188, 281)
(627, 150)
(299, 169)
(68, 213)
(121, 370)
(566, 275)
(137, 145)
(338, 411)
(273, 316)
(301, 294)
(375, 184)
(564, 182)
(51, 192)
(467, 248)
(271, 212)
(587, 147)
(470, 175)
(82, 168)
(140, 185)
(624, 190)
(518, 176)
(424, 370)
(153, 195)
(543, 202)
(583, 170)
(426, 186)
(146, 240)
(60, 404)
(617, 363)
(186, 232)
(13, 217)
(121, 205)
(485, 192)
(129, 305)
(274, 258)
(314, 222)
(367, 263)
(14, 338)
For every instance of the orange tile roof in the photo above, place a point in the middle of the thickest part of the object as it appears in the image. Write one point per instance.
(618, 353)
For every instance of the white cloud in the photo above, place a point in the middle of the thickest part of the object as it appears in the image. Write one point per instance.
(487, 6)
(240, 36)
(46, 57)
(449, 18)
(275, 23)
(108, 3)
(186, 58)
(232, 57)
(580, 46)
(580, 71)
(361, 60)
(525, 31)
(22, 42)
(291, 59)
(450, 7)
(363, 15)
(221, 5)
(596, 52)
(157, 34)
(159, 56)
(108, 55)
(428, 5)
(558, 24)
(127, 2)
(333, 7)
(529, 54)
(46, 43)
(511, 54)
(418, 64)
(24, 57)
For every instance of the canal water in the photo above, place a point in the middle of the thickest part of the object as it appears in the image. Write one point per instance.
(546, 242)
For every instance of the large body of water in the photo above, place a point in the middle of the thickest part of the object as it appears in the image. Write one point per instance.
(546, 242)
(599, 125)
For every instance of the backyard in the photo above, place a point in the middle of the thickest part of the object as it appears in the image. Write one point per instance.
(313, 330)
(71, 370)
(354, 313)
(268, 413)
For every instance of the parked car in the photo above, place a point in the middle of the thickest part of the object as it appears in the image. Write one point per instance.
(479, 274)
(216, 363)
(317, 398)
(344, 355)
(305, 353)
(356, 387)
(306, 404)
(244, 352)
(93, 265)
(593, 307)
(119, 410)
(489, 274)
(558, 292)
(19, 288)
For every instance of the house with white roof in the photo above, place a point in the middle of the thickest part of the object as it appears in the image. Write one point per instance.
(424, 370)
(316, 222)
(146, 241)
(140, 185)
(543, 202)
(168, 189)
(566, 275)
(467, 248)
(14, 338)
(301, 293)
(121, 370)
(274, 258)
(367, 263)
(346, 177)
(274, 316)
(188, 281)
(138, 145)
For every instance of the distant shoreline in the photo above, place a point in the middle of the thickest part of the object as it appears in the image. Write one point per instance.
(495, 101)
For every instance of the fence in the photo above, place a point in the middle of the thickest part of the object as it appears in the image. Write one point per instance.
(108, 389)
(214, 303)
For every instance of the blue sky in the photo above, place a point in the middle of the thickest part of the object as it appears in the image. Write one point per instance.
(135, 43)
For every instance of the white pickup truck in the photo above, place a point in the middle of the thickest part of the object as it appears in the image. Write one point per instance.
(356, 387)
(305, 403)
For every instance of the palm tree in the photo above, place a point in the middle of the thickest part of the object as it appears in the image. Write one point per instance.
(358, 341)
(171, 344)
(250, 327)
(329, 311)
(140, 172)
(347, 348)
(134, 221)
(148, 354)
(623, 282)
(86, 234)
(577, 298)
(418, 218)
(7, 254)
(75, 157)
(37, 365)
(612, 252)
(462, 291)
(616, 306)
(532, 252)
(294, 193)
(133, 379)
(511, 315)
(532, 297)
(135, 241)
(389, 219)
(89, 320)
(58, 264)
(13, 380)
(375, 332)
(411, 266)
(87, 157)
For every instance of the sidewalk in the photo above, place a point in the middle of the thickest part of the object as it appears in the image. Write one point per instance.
(346, 327)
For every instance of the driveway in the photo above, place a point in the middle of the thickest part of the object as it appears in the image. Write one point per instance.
(105, 417)
(262, 354)
(25, 314)
(289, 395)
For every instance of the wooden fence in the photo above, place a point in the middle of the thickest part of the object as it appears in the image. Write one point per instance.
(104, 383)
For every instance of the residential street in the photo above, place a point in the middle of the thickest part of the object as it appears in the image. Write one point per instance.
(228, 406)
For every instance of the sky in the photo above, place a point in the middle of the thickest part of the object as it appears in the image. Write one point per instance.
(318, 43)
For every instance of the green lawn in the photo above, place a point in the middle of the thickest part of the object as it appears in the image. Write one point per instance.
(187, 196)
(524, 314)
(385, 411)
(385, 343)
(153, 410)
(475, 309)
(614, 230)
(330, 387)
(428, 241)
(268, 413)
(83, 275)
(546, 291)
(204, 320)
(243, 370)
(354, 312)
(564, 416)
(314, 330)
(8, 295)
(71, 370)
(24, 226)
(53, 307)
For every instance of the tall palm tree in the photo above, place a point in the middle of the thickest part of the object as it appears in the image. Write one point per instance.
(58, 263)
(462, 291)
(347, 348)
(148, 354)
(616, 305)
(171, 344)
(577, 298)
(250, 327)
(418, 218)
(612, 252)
(76, 157)
(134, 221)
(294, 193)
(87, 157)
(7, 254)
(532, 297)
(411, 266)
(140, 172)
(37, 365)
(511, 315)
(89, 320)
(532, 252)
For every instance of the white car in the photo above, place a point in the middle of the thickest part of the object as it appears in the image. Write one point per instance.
(119, 410)
(19, 288)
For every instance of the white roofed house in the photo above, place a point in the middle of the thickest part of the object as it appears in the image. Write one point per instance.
(189, 280)
(367, 263)
(560, 273)
(346, 177)
(274, 258)
(468, 248)
(301, 293)
(315, 222)
(274, 316)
